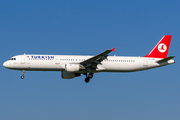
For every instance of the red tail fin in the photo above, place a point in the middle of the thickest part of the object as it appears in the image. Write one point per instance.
(161, 49)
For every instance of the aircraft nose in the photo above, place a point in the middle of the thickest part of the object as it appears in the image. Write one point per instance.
(5, 64)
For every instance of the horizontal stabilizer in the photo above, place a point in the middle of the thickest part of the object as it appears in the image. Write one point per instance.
(165, 59)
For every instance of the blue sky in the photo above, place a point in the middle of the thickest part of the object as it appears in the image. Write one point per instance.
(88, 28)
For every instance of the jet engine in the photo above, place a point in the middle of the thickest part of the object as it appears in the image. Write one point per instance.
(69, 75)
(72, 67)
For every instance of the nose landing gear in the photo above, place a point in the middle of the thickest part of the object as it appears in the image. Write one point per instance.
(22, 77)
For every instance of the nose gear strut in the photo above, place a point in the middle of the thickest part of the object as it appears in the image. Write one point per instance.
(23, 71)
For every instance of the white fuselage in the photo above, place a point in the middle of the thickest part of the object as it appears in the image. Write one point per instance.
(74, 65)
(58, 62)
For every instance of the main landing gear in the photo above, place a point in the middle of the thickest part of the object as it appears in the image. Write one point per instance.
(88, 77)
(22, 77)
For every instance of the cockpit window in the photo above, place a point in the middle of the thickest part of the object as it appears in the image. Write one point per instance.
(13, 59)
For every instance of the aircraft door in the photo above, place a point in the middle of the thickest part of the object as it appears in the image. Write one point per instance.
(23, 59)
(145, 63)
(57, 60)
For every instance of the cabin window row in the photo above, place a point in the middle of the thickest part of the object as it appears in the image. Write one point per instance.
(40, 59)
(72, 59)
(79, 60)
(104, 60)
(121, 60)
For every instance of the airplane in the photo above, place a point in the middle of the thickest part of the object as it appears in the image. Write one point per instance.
(72, 66)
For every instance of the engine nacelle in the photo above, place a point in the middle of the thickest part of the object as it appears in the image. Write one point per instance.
(72, 67)
(69, 75)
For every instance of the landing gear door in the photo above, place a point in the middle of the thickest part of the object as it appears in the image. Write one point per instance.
(145, 63)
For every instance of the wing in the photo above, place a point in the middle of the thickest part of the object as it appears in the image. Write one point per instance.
(93, 61)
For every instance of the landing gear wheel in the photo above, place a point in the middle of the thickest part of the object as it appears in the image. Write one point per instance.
(90, 75)
(22, 77)
(87, 80)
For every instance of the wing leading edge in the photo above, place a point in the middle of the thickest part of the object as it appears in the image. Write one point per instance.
(93, 61)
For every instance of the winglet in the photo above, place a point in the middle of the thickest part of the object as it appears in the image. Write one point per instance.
(113, 49)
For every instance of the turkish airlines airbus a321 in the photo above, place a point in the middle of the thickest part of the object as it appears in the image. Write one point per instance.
(74, 65)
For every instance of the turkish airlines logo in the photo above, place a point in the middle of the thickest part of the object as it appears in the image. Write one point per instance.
(162, 47)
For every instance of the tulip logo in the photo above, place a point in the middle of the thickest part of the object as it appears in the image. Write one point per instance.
(162, 48)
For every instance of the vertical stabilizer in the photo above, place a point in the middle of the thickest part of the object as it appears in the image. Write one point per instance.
(161, 49)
